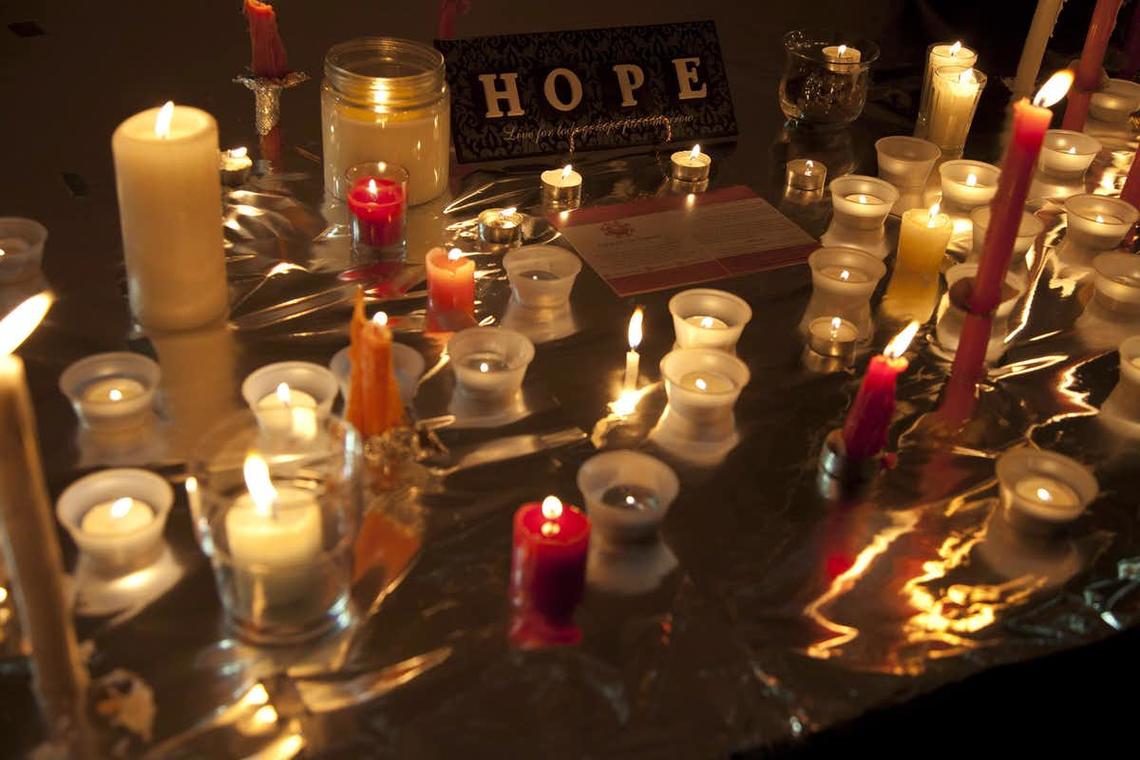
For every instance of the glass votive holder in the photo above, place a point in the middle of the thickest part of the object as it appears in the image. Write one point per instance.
(833, 337)
(906, 162)
(825, 77)
(627, 495)
(951, 313)
(111, 391)
(377, 199)
(1124, 400)
(490, 362)
(1115, 101)
(1027, 230)
(407, 365)
(307, 386)
(21, 248)
(1042, 491)
(702, 385)
(806, 174)
(954, 93)
(540, 325)
(1068, 154)
(542, 276)
(116, 517)
(938, 55)
(1098, 222)
(708, 318)
(282, 516)
(843, 280)
(966, 184)
(1117, 283)
(500, 226)
(235, 166)
(860, 206)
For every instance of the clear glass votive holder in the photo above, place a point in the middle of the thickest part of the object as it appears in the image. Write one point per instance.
(1042, 491)
(542, 276)
(1124, 400)
(967, 184)
(702, 385)
(1115, 101)
(1117, 283)
(951, 315)
(860, 206)
(21, 248)
(708, 318)
(627, 495)
(906, 162)
(1067, 154)
(500, 226)
(407, 365)
(1098, 222)
(282, 517)
(112, 391)
(843, 280)
(819, 85)
(540, 325)
(937, 55)
(116, 517)
(377, 197)
(490, 362)
(1027, 231)
(310, 386)
(954, 94)
(806, 174)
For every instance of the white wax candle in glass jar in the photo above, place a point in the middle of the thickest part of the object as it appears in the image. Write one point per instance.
(386, 100)
(968, 184)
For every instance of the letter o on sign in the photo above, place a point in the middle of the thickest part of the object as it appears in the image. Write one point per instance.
(552, 94)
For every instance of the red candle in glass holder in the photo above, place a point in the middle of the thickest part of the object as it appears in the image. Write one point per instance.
(377, 205)
(548, 562)
(865, 432)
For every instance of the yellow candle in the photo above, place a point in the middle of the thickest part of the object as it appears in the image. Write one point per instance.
(923, 237)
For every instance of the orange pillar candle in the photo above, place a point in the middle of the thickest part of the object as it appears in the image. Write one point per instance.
(268, 59)
(374, 404)
(451, 281)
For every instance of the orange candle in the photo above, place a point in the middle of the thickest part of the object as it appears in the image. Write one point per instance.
(451, 281)
(374, 404)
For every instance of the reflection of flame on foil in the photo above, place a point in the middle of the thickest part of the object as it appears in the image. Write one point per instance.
(626, 403)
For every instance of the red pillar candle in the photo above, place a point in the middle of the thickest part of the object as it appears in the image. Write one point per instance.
(268, 58)
(865, 432)
(451, 281)
(1089, 66)
(548, 562)
(378, 205)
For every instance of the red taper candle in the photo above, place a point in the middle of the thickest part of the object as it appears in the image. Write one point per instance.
(865, 432)
(377, 205)
(268, 59)
(548, 563)
(1089, 66)
(1131, 190)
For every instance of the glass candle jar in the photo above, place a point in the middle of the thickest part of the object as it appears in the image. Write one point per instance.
(386, 99)
(906, 162)
(1027, 231)
(954, 94)
(1067, 154)
(1097, 222)
(937, 55)
(825, 77)
(860, 207)
(1042, 491)
(843, 280)
(968, 184)
(1116, 101)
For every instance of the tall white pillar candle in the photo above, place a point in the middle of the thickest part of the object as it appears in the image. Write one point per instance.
(170, 210)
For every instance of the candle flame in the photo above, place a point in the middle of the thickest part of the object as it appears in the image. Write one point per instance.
(967, 77)
(1072, 150)
(454, 254)
(380, 318)
(372, 189)
(22, 320)
(283, 393)
(259, 484)
(115, 394)
(971, 180)
(845, 275)
(1044, 495)
(635, 333)
(1099, 219)
(566, 171)
(864, 199)
(508, 212)
(955, 48)
(2, 253)
(695, 153)
(551, 507)
(932, 215)
(701, 384)
(706, 322)
(484, 367)
(1054, 89)
(808, 166)
(162, 121)
(899, 344)
(241, 152)
(121, 507)
(842, 50)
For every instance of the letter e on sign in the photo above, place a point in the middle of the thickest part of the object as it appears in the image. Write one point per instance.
(687, 76)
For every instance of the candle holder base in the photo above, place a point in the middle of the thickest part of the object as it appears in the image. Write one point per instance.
(825, 365)
(531, 630)
(836, 465)
(267, 97)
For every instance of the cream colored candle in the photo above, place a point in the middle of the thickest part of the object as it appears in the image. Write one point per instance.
(954, 93)
(170, 210)
(937, 56)
(913, 290)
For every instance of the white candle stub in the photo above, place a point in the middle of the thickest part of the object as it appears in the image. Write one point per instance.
(1047, 492)
(111, 389)
(843, 274)
(707, 382)
(116, 518)
(284, 398)
(706, 322)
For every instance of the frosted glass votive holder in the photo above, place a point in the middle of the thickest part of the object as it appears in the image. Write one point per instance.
(627, 495)
(1117, 282)
(702, 385)
(407, 365)
(968, 184)
(21, 248)
(906, 162)
(1124, 400)
(1116, 101)
(302, 377)
(708, 318)
(542, 276)
(111, 391)
(1098, 222)
(1027, 230)
(860, 206)
(1065, 153)
(951, 317)
(490, 362)
(1042, 491)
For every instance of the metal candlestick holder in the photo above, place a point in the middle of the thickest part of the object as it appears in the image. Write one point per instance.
(267, 97)
(836, 466)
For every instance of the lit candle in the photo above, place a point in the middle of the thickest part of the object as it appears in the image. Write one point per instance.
(500, 226)
(451, 281)
(841, 54)
(708, 318)
(112, 389)
(937, 56)
(561, 188)
(845, 275)
(285, 398)
(632, 358)
(706, 381)
(1047, 492)
(235, 165)
(1097, 222)
(806, 174)
(913, 290)
(691, 165)
(374, 404)
(833, 336)
(1067, 154)
(954, 95)
(21, 248)
(869, 420)
(118, 517)
(968, 184)
(707, 323)
(170, 210)
(548, 561)
(378, 202)
(1088, 69)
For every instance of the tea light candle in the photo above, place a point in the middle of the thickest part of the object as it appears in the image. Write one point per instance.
(1098, 222)
(632, 358)
(806, 174)
(290, 396)
(833, 336)
(451, 281)
(706, 322)
(490, 362)
(500, 226)
(842, 54)
(1065, 153)
(690, 166)
(708, 318)
(286, 398)
(111, 391)
(1042, 490)
(378, 201)
(707, 381)
(968, 184)
(561, 188)
(1116, 101)
(548, 560)
(115, 518)
(954, 95)
(21, 248)
(235, 165)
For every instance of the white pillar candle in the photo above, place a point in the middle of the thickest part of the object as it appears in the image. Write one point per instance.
(954, 92)
(170, 210)
(938, 55)
(690, 165)
(1040, 30)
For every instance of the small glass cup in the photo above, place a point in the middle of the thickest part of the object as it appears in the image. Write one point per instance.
(542, 276)
(1116, 101)
(282, 558)
(627, 495)
(906, 162)
(377, 198)
(1067, 154)
(702, 385)
(954, 95)
(1042, 491)
(407, 365)
(1098, 222)
(1124, 401)
(490, 362)
(22, 246)
(822, 84)
(966, 184)
(843, 280)
(709, 318)
(860, 206)
(310, 385)
(112, 391)
(951, 315)
(1027, 231)
(1117, 282)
